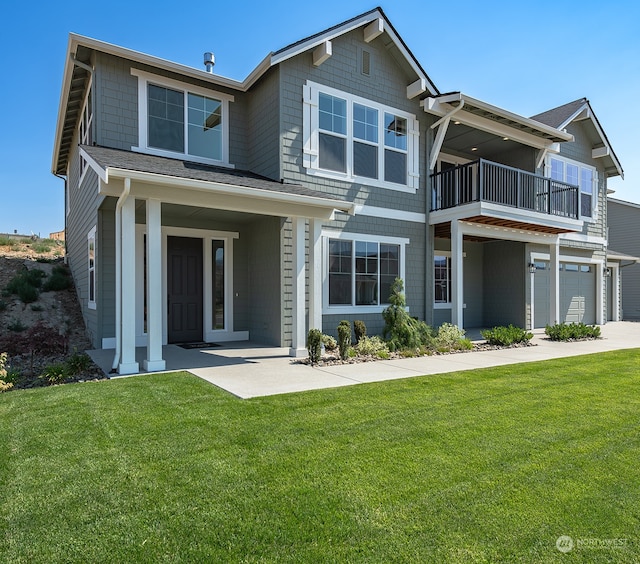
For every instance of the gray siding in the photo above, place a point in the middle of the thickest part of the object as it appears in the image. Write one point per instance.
(106, 270)
(623, 238)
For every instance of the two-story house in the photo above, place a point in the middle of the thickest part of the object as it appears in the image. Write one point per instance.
(201, 208)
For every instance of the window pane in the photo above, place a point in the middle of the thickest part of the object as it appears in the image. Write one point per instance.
(218, 283)
(572, 174)
(205, 127)
(340, 275)
(365, 160)
(585, 204)
(395, 167)
(441, 278)
(389, 269)
(366, 273)
(395, 134)
(365, 123)
(333, 152)
(557, 170)
(166, 118)
(586, 181)
(333, 113)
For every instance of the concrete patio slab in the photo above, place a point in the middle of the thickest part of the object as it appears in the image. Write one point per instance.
(249, 370)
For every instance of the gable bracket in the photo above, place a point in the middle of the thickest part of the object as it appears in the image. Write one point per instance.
(373, 30)
(322, 52)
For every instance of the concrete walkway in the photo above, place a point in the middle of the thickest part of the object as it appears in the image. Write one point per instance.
(249, 370)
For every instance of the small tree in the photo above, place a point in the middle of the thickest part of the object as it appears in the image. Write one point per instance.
(360, 329)
(314, 345)
(402, 331)
(344, 338)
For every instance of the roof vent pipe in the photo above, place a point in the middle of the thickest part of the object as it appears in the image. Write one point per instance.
(209, 61)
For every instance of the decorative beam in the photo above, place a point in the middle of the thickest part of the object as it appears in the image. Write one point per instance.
(375, 28)
(600, 152)
(416, 88)
(322, 52)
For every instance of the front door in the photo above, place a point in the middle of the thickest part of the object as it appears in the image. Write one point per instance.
(184, 289)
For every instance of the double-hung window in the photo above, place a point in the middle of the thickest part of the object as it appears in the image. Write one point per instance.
(350, 138)
(361, 270)
(442, 280)
(581, 175)
(182, 121)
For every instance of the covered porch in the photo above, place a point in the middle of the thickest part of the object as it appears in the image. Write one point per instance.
(149, 187)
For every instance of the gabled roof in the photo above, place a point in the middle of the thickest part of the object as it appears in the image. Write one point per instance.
(577, 110)
(363, 19)
(78, 70)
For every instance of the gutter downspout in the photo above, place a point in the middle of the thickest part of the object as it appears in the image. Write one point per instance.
(119, 204)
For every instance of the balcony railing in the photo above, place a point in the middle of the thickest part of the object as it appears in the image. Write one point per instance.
(486, 181)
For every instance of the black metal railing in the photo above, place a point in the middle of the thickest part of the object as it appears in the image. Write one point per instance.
(486, 181)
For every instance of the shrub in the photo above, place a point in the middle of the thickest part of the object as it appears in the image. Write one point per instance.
(3, 305)
(5, 384)
(360, 329)
(26, 285)
(78, 363)
(40, 338)
(314, 345)
(572, 331)
(371, 346)
(506, 336)
(16, 325)
(330, 344)
(344, 339)
(5, 241)
(37, 307)
(40, 248)
(402, 331)
(449, 336)
(55, 373)
(59, 280)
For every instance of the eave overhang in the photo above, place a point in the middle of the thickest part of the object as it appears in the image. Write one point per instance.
(492, 119)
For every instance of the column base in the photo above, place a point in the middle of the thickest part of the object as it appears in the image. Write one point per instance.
(154, 365)
(128, 368)
(298, 353)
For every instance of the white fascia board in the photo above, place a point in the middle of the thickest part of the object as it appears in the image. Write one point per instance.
(232, 190)
(441, 105)
(101, 172)
(506, 233)
(388, 213)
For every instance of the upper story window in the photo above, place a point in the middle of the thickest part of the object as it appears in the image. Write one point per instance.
(91, 268)
(356, 140)
(182, 121)
(578, 174)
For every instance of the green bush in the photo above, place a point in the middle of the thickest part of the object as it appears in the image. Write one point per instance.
(506, 336)
(78, 363)
(572, 331)
(3, 305)
(360, 329)
(5, 384)
(371, 346)
(55, 373)
(59, 280)
(314, 345)
(26, 285)
(401, 331)
(37, 307)
(344, 338)
(450, 337)
(5, 241)
(16, 325)
(40, 248)
(330, 344)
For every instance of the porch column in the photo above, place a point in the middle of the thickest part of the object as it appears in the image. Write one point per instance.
(315, 278)
(154, 360)
(554, 282)
(599, 293)
(457, 292)
(128, 364)
(298, 342)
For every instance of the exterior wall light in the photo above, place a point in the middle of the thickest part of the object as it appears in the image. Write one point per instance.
(532, 267)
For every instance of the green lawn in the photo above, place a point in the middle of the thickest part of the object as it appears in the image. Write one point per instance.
(484, 466)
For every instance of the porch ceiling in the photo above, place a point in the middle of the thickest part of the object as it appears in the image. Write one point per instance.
(468, 142)
(443, 230)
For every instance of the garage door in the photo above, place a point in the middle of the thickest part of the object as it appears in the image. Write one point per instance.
(577, 293)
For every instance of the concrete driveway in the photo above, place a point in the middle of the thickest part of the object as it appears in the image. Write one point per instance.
(248, 370)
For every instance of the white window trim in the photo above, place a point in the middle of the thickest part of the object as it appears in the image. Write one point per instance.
(91, 236)
(311, 128)
(595, 183)
(144, 78)
(443, 305)
(353, 309)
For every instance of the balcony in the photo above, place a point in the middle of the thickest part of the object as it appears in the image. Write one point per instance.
(488, 190)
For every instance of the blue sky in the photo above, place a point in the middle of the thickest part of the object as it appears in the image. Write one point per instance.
(526, 57)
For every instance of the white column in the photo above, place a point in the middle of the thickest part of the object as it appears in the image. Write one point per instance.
(298, 344)
(154, 360)
(128, 364)
(615, 280)
(457, 278)
(315, 278)
(532, 294)
(599, 293)
(554, 282)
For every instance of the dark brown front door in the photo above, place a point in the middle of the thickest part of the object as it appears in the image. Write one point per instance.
(184, 289)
